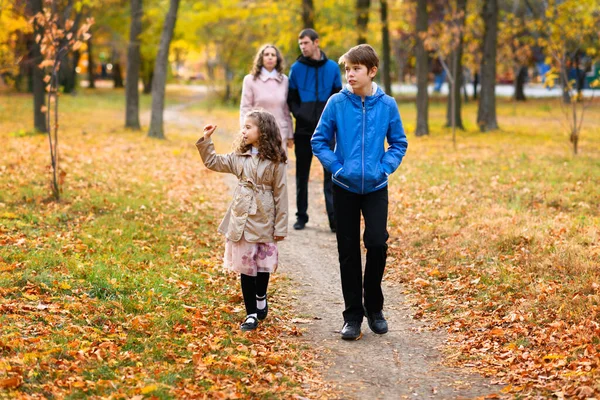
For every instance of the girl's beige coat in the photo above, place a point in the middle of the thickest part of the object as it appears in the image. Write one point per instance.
(259, 209)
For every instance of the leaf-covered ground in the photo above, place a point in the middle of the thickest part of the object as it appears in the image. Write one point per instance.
(499, 243)
(116, 291)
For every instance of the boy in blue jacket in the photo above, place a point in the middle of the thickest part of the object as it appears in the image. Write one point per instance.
(360, 118)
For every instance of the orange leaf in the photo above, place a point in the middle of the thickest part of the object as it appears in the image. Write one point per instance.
(10, 383)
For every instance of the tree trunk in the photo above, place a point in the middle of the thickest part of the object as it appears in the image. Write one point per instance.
(160, 73)
(308, 14)
(91, 65)
(520, 78)
(385, 47)
(68, 73)
(456, 69)
(486, 114)
(422, 71)
(39, 92)
(132, 97)
(362, 19)
(117, 74)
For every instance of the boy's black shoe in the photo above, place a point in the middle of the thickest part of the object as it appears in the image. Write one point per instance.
(332, 226)
(299, 225)
(351, 330)
(249, 324)
(377, 322)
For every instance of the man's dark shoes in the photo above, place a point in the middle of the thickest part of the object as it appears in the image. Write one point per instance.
(333, 226)
(351, 330)
(299, 225)
(377, 322)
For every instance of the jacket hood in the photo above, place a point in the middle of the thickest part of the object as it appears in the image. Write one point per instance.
(369, 100)
(311, 62)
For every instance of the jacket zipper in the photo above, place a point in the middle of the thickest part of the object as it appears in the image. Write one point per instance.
(363, 147)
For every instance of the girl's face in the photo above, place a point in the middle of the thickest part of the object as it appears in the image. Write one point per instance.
(269, 58)
(250, 132)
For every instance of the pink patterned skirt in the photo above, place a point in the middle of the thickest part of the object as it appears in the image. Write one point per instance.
(249, 258)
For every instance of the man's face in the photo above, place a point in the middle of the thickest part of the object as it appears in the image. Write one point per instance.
(308, 47)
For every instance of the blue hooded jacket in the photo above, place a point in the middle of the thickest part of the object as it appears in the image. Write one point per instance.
(311, 83)
(360, 163)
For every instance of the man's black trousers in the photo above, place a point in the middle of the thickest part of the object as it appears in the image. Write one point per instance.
(304, 156)
(348, 209)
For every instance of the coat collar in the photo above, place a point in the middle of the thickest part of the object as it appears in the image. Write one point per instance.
(266, 75)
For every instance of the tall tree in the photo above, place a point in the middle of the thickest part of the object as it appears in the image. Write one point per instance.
(362, 19)
(422, 71)
(160, 73)
(132, 110)
(308, 14)
(385, 47)
(453, 112)
(486, 114)
(91, 64)
(39, 101)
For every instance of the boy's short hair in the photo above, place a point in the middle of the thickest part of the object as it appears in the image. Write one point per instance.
(362, 54)
(310, 33)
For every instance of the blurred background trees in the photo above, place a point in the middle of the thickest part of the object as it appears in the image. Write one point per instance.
(500, 42)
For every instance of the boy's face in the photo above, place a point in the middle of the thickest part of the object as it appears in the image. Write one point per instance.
(360, 78)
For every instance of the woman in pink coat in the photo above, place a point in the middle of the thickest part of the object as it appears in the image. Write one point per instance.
(266, 87)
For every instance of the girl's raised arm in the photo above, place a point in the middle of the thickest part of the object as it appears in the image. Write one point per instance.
(212, 160)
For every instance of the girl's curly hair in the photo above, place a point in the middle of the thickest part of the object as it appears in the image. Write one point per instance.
(269, 138)
(258, 60)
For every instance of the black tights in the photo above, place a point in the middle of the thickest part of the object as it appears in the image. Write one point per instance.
(253, 286)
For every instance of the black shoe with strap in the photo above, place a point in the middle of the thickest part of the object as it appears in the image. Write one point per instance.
(262, 312)
(351, 330)
(377, 322)
(250, 323)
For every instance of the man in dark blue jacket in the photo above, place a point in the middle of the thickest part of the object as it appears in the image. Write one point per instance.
(361, 118)
(313, 79)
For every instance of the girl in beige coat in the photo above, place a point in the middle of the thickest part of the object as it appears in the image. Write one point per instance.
(258, 215)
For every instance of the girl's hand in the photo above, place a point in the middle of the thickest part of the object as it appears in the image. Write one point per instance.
(209, 130)
(278, 238)
(290, 143)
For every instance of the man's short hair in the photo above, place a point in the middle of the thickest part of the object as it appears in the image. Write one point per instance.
(310, 33)
(362, 54)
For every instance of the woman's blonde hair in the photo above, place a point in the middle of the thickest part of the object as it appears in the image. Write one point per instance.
(269, 138)
(258, 60)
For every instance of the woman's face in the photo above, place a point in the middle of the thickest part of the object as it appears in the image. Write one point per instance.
(250, 132)
(269, 58)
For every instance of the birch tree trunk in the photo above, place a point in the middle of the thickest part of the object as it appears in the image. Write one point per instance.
(308, 14)
(486, 114)
(362, 19)
(39, 93)
(422, 71)
(132, 96)
(457, 72)
(159, 80)
(385, 44)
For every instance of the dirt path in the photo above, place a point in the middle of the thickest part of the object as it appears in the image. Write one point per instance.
(404, 363)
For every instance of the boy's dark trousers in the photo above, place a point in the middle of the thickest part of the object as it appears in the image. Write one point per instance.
(304, 156)
(348, 209)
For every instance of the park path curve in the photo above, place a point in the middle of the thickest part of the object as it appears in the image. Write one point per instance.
(405, 363)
